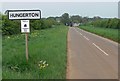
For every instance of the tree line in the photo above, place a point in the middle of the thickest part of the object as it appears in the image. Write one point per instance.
(96, 21)
(10, 27)
(105, 23)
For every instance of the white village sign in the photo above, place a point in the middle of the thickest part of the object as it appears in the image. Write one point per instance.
(24, 16)
(25, 28)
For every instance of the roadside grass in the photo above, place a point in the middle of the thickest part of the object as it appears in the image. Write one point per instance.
(104, 32)
(48, 45)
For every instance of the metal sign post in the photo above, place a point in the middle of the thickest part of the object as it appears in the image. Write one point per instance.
(24, 16)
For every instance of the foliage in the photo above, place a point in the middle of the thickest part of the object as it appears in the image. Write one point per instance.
(36, 24)
(76, 19)
(10, 27)
(65, 19)
(107, 23)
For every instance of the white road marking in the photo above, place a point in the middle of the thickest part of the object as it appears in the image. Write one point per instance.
(86, 38)
(93, 43)
(100, 49)
(81, 34)
(78, 32)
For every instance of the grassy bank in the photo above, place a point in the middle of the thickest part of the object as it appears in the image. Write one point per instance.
(104, 32)
(48, 45)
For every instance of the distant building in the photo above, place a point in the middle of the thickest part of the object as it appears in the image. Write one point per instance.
(58, 19)
(76, 24)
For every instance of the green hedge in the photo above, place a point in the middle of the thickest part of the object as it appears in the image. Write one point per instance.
(107, 23)
(10, 27)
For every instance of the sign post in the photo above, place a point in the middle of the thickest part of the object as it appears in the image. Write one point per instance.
(25, 28)
(26, 38)
(24, 16)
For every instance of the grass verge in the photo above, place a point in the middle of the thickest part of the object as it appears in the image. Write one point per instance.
(48, 45)
(104, 32)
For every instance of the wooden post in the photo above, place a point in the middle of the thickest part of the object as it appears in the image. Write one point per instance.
(26, 39)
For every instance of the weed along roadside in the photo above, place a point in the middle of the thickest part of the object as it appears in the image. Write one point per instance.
(25, 28)
(36, 53)
(47, 55)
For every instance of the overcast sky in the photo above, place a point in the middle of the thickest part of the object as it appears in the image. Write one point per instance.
(59, 0)
(103, 9)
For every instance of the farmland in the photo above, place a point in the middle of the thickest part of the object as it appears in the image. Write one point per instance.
(48, 45)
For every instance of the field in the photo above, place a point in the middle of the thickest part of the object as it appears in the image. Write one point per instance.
(48, 45)
(104, 32)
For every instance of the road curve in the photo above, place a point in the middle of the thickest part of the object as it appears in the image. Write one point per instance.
(91, 56)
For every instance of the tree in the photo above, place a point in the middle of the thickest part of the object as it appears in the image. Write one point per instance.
(85, 19)
(10, 27)
(65, 18)
(118, 25)
(36, 24)
(76, 19)
(96, 18)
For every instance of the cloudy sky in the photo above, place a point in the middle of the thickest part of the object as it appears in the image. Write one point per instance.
(103, 9)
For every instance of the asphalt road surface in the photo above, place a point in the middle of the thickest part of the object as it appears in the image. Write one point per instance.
(91, 56)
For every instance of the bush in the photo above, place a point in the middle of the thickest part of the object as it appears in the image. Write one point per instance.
(10, 27)
(107, 23)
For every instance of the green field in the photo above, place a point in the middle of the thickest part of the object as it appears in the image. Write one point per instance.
(104, 32)
(47, 45)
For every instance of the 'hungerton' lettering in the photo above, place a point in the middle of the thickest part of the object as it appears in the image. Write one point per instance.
(24, 15)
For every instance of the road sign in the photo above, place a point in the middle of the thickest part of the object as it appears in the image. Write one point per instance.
(24, 14)
(25, 28)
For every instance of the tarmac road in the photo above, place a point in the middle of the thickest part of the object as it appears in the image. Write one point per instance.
(91, 56)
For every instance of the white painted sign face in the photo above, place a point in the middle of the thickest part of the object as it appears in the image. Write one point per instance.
(24, 14)
(25, 28)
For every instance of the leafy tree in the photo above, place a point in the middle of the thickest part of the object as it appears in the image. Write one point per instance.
(96, 18)
(85, 20)
(107, 23)
(36, 24)
(10, 27)
(65, 18)
(76, 19)
(118, 25)
(114, 23)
